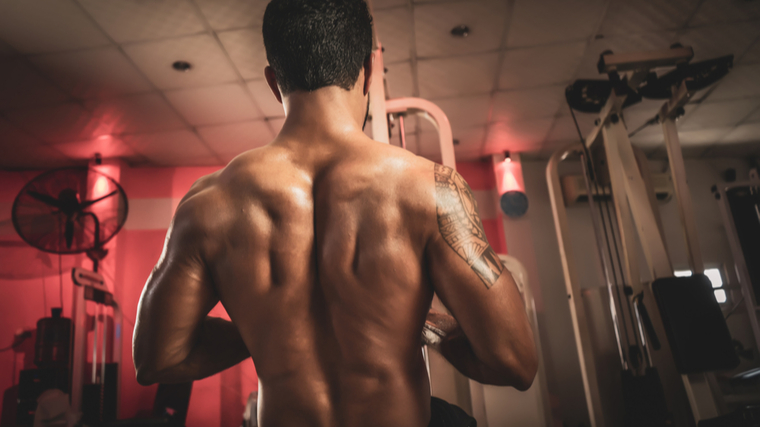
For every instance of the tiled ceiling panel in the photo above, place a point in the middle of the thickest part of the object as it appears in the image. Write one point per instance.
(385, 4)
(467, 110)
(719, 40)
(44, 26)
(60, 123)
(528, 103)
(434, 21)
(631, 17)
(553, 21)
(21, 86)
(133, 114)
(246, 50)
(209, 63)
(749, 132)
(175, 148)
(214, 105)
(722, 11)
(105, 146)
(399, 80)
(461, 75)
(540, 66)
(232, 139)
(719, 114)
(265, 99)
(394, 27)
(137, 20)
(93, 73)
(227, 14)
(741, 82)
(19, 150)
(526, 135)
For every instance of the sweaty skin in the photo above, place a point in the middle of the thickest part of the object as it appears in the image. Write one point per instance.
(325, 248)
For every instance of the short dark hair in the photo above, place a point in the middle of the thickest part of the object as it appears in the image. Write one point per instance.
(312, 44)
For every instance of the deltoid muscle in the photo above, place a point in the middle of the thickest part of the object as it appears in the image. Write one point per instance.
(460, 225)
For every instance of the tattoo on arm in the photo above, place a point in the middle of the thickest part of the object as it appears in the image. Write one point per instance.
(460, 225)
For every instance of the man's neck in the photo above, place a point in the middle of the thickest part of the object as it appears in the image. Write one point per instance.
(327, 112)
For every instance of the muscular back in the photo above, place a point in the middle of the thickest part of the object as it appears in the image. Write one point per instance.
(319, 262)
(326, 254)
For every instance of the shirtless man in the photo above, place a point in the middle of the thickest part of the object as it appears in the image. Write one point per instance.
(325, 248)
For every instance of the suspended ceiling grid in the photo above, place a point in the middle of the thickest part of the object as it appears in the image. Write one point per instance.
(85, 76)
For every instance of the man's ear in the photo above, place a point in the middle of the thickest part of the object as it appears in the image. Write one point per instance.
(368, 72)
(272, 82)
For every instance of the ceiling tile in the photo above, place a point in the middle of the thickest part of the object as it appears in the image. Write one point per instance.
(719, 114)
(630, 17)
(749, 132)
(265, 99)
(520, 136)
(563, 131)
(44, 26)
(527, 103)
(20, 150)
(232, 139)
(741, 82)
(226, 14)
(385, 4)
(754, 117)
(6, 51)
(60, 123)
(470, 138)
(399, 80)
(136, 20)
(175, 148)
(719, 40)
(394, 28)
(107, 147)
(209, 63)
(752, 56)
(553, 21)
(434, 21)
(745, 149)
(540, 66)
(94, 73)
(439, 78)
(214, 105)
(21, 86)
(703, 137)
(246, 49)
(466, 111)
(134, 114)
(627, 43)
(723, 11)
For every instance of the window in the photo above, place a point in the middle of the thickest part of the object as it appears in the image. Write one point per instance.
(715, 278)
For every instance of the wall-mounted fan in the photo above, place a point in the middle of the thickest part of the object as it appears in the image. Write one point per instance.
(69, 211)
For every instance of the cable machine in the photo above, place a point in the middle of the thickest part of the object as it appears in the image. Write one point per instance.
(666, 373)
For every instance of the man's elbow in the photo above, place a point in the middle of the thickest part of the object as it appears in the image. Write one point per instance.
(518, 370)
(144, 375)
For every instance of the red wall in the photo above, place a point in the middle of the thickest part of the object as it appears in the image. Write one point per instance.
(29, 283)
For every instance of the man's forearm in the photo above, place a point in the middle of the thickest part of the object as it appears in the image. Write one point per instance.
(454, 346)
(218, 346)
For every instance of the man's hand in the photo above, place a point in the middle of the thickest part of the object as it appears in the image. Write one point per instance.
(438, 327)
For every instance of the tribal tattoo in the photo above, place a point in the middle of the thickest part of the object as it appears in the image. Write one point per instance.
(460, 225)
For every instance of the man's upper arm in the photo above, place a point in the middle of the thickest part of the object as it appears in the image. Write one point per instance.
(177, 296)
(468, 276)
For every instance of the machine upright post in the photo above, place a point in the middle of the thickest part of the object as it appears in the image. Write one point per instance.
(80, 339)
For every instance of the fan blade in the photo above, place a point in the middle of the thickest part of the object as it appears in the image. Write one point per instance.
(46, 199)
(69, 233)
(88, 203)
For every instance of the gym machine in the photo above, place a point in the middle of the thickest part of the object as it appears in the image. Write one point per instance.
(666, 370)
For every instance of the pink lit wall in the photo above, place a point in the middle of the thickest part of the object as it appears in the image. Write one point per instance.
(29, 284)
